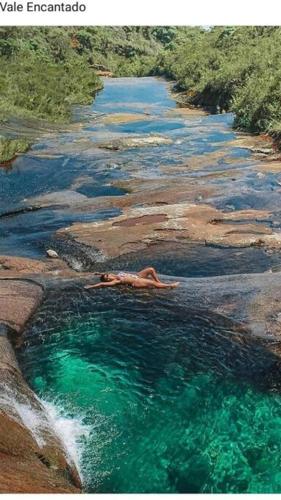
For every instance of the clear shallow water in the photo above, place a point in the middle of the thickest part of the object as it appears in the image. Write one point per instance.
(178, 401)
(69, 160)
(179, 259)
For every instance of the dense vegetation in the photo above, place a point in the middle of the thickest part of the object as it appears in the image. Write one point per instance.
(231, 68)
(45, 70)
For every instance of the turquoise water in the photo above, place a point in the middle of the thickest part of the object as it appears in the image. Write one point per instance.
(176, 401)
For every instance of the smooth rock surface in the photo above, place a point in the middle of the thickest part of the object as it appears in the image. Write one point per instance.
(137, 228)
(135, 142)
(13, 267)
(18, 301)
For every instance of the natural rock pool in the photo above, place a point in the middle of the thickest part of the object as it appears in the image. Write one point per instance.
(171, 396)
(171, 399)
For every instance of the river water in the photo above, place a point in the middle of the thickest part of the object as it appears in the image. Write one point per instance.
(169, 400)
(73, 170)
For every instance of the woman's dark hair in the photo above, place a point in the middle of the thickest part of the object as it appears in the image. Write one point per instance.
(104, 277)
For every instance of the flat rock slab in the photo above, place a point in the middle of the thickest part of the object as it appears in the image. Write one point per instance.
(20, 265)
(273, 166)
(18, 301)
(58, 198)
(15, 267)
(256, 143)
(116, 118)
(138, 228)
(186, 112)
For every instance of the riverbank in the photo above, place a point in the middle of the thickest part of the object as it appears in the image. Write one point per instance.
(223, 67)
(46, 71)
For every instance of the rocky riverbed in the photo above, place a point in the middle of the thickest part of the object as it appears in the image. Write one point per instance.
(139, 181)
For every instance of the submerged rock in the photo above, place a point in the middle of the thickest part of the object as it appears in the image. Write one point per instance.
(135, 142)
(58, 198)
(116, 118)
(252, 301)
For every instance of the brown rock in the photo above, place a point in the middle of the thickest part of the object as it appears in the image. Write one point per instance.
(256, 143)
(137, 228)
(18, 301)
(141, 191)
(32, 457)
(269, 166)
(115, 118)
(21, 265)
(13, 267)
(188, 111)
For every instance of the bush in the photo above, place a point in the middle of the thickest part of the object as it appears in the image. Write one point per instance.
(9, 148)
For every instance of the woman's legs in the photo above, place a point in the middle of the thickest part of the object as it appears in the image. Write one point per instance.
(148, 283)
(166, 285)
(149, 271)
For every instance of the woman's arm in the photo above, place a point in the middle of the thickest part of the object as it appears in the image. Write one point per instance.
(106, 283)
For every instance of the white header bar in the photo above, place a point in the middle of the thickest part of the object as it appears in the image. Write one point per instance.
(139, 12)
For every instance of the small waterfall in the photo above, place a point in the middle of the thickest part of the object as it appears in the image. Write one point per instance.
(78, 256)
(46, 421)
(32, 420)
(70, 430)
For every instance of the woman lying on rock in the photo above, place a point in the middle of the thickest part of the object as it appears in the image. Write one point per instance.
(147, 278)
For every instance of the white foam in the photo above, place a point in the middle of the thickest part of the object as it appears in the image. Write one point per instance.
(31, 421)
(23, 412)
(71, 431)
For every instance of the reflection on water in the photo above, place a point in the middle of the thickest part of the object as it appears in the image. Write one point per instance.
(176, 400)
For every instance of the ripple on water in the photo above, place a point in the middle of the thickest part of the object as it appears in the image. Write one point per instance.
(180, 401)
